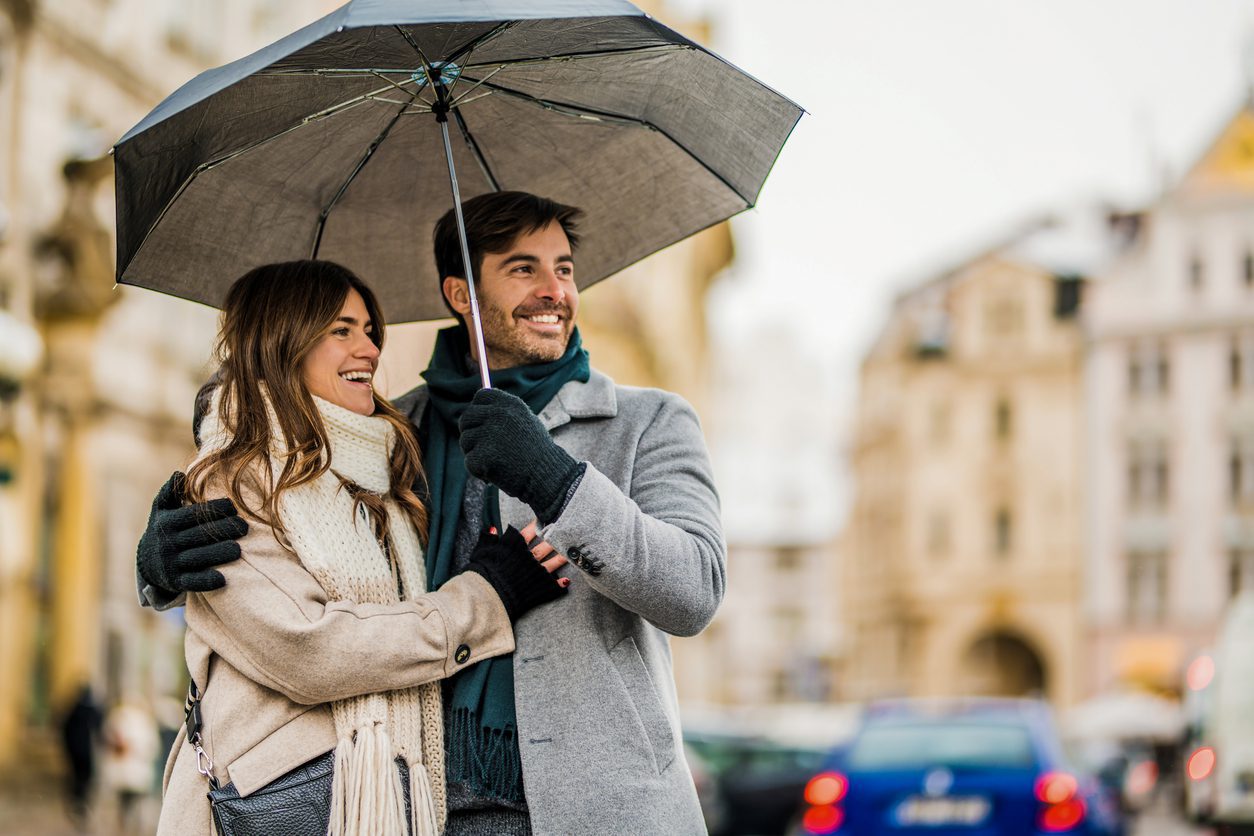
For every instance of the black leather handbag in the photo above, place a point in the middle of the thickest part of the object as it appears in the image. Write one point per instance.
(297, 803)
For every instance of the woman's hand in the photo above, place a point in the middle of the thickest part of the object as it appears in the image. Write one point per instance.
(521, 574)
(548, 556)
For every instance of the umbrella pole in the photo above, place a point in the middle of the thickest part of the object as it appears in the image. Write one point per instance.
(477, 324)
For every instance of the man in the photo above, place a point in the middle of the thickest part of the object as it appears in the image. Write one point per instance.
(583, 716)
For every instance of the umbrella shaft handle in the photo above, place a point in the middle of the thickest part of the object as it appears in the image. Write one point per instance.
(476, 323)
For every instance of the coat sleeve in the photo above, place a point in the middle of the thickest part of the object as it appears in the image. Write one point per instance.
(657, 550)
(273, 622)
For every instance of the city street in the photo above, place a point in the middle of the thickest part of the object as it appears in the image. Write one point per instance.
(1162, 820)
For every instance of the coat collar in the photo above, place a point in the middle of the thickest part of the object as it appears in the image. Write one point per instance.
(594, 399)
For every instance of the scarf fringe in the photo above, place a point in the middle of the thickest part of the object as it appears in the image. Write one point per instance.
(487, 760)
(421, 803)
(367, 798)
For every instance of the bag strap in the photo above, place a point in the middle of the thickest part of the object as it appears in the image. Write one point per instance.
(194, 722)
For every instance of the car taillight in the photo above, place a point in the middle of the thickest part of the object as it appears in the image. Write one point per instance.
(1056, 787)
(823, 792)
(1142, 778)
(1201, 763)
(1059, 817)
(826, 788)
(823, 820)
(1063, 810)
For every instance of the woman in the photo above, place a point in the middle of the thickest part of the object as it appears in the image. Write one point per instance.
(324, 637)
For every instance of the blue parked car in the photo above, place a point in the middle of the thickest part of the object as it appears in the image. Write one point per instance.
(980, 767)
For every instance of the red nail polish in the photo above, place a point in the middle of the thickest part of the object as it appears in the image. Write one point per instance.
(492, 529)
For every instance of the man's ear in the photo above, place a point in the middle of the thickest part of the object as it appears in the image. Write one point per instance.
(457, 294)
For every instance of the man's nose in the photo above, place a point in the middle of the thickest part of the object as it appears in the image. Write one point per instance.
(550, 286)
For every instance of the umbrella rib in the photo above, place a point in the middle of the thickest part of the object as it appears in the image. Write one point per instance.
(361, 164)
(519, 62)
(409, 39)
(580, 112)
(580, 56)
(476, 150)
(475, 43)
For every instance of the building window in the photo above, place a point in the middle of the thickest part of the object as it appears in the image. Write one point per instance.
(1197, 272)
(1147, 587)
(1149, 474)
(1240, 571)
(788, 558)
(1235, 364)
(1241, 472)
(1149, 369)
(1241, 362)
(1003, 418)
(1002, 532)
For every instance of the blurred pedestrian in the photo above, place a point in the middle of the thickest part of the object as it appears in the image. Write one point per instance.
(131, 744)
(80, 731)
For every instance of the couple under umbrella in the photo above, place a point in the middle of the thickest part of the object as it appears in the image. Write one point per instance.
(583, 137)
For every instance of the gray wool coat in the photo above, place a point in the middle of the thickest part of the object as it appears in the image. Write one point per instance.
(598, 719)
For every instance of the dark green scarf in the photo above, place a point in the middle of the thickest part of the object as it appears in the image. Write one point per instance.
(482, 749)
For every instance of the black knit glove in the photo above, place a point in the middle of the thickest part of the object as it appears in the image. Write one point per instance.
(181, 545)
(505, 444)
(518, 578)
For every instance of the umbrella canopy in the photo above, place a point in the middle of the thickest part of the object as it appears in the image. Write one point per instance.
(326, 143)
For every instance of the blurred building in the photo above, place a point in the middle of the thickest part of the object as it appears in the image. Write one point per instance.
(962, 558)
(1170, 390)
(87, 435)
(777, 635)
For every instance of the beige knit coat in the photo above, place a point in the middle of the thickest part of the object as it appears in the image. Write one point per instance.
(270, 652)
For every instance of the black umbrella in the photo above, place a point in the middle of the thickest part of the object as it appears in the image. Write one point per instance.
(334, 142)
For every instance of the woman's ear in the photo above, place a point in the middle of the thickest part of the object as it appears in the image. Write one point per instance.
(457, 294)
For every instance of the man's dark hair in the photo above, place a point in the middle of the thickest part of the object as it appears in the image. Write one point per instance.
(494, 221)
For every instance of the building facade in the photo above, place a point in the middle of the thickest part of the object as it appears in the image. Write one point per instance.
(88, 434)
(961, 560)
(1170, 392)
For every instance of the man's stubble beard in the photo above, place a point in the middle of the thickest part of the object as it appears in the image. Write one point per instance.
(508, 345)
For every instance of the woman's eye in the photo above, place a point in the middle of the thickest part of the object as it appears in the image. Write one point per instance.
(340, 332)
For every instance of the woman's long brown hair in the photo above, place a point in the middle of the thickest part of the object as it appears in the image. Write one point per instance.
(273, 317)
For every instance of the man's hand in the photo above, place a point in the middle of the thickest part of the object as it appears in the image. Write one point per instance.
(181, 545)
(505, 444)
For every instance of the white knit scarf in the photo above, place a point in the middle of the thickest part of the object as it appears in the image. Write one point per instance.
(339, 549)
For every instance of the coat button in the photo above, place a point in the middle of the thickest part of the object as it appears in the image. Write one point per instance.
(461, 654)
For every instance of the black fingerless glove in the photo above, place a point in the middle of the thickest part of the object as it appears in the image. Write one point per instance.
(181, 545)
(506, 445)
(518, 578)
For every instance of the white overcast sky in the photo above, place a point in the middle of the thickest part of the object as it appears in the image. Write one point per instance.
(934, 128)
(936, 125)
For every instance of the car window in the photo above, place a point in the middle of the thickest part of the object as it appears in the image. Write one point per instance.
(920, 745)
